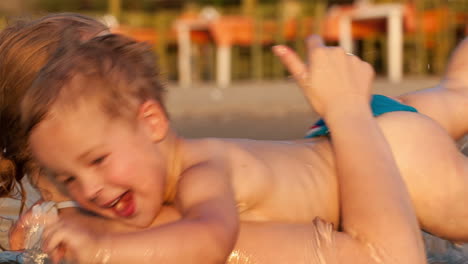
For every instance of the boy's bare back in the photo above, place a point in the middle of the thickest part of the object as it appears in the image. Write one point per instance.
(295, 181)
(273, 180)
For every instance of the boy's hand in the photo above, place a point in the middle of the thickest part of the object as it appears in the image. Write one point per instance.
(20, 233)
(18, 230)
(73, 242)
(332, 77)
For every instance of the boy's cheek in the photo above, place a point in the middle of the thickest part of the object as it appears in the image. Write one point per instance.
(78, 197)
(85, 204)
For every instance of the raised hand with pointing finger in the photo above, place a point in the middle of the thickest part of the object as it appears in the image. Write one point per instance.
(331, 75)
(383, 229)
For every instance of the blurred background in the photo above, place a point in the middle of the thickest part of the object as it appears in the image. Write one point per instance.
(222, 77)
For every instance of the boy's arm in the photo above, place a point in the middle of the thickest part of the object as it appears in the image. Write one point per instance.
(206, 233)
(377, 216)
(375, 206)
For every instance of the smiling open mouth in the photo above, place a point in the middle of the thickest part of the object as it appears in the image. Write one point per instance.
(124, 205)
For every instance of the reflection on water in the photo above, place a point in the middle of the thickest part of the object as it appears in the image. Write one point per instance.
(35, 256)
(239, 257)
(29, 257)
(439, 252)
(41, 214)
(8, 257)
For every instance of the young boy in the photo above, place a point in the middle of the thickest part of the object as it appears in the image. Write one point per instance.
(98, 125)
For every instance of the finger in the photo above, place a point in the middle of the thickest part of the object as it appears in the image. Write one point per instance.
(16, 238)
(370, 70)
(55, 241)
(55, 258)
(60, 252)
(52, 237)
(26, 220)
(291, 61)
(313, 42)
(50, 229)
(56, 254)
(17, 233)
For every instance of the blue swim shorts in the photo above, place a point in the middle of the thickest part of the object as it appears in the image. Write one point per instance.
(380, 104)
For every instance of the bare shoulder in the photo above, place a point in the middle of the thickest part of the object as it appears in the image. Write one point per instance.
(205, 150)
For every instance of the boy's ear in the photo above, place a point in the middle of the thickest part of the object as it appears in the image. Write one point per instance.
(155, 119)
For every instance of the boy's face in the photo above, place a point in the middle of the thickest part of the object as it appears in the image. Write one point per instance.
(110, 166)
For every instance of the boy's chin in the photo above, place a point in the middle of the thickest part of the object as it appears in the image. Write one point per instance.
(137, 221)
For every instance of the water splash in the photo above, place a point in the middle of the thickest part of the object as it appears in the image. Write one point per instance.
(441, 251)
(41, 213)
(36, 256)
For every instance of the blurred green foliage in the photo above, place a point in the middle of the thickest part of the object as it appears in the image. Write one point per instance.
(102, 5)
(145, 5)
(71, 5)
(153, 5)
(255, 60)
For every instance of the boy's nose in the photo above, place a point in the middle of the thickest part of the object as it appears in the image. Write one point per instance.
(92, 190)
(93, 193)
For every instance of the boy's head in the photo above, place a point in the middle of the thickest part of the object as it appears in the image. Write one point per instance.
(93, 117)
(25, 46)
(115, 71)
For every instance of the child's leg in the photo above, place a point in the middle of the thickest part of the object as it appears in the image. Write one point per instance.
(435, 172)
(447, 103)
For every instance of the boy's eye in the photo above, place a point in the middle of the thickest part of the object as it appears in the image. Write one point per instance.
(69, 180)
(48, 172)
(98, 160)
(65, 179)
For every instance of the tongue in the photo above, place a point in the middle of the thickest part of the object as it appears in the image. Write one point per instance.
(125, 206)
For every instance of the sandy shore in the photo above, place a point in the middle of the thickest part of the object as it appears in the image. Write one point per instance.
(257, 110)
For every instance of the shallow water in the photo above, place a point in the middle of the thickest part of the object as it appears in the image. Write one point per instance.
(8, 257)
(439, 251)
(31, 257)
